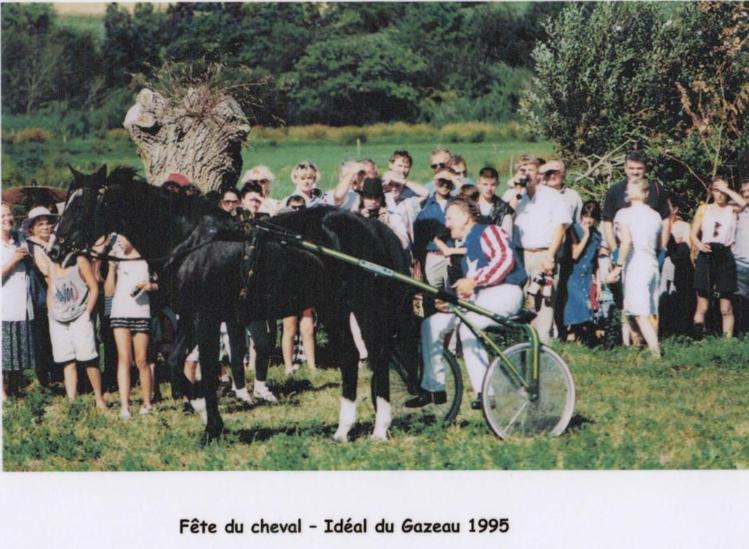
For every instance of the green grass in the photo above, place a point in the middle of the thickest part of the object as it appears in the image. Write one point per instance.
(47, 162)
(687, 411)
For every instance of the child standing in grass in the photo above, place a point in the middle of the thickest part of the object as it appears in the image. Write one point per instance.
(71, 298)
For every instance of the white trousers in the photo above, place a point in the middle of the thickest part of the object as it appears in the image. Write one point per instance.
(505, 299)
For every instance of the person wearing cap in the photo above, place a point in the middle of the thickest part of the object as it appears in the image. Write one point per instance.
(553, 173)
(38, 230)
(430, 234)
(373, 206)
(178, 183)
(541, 219)
(263, 176)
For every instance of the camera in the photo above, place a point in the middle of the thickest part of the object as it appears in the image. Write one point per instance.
(136, 292)
(523, 181)
(540, 289)
(374, 213)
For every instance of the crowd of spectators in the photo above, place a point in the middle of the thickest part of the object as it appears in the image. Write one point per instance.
(632, 264)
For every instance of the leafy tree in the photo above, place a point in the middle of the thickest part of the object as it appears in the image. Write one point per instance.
(356, 80)
(132, 43)
(620, 75)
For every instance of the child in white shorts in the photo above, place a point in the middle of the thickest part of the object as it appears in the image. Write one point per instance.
(71, 296)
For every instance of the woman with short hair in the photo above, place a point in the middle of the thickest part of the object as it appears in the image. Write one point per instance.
(638, 228)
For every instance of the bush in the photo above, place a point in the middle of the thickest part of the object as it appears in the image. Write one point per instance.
(29, 135)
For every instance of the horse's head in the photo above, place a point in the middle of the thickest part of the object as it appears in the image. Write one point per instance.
(80, 222)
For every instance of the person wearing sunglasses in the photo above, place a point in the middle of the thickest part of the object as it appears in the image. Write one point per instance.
(439, 159)
(459, 167)
(229, 200)
(432, 242)
(713, 234)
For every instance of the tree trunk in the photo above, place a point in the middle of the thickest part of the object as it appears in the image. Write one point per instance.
(200, 138)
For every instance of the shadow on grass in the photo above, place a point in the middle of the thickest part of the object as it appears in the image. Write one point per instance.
(577, 423)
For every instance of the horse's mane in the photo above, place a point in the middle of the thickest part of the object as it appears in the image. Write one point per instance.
(128, 179)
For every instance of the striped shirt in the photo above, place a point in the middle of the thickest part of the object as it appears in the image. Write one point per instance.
(489, 257)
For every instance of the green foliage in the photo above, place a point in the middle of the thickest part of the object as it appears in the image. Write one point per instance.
(356, 79)
(436, 62)
(616, 74)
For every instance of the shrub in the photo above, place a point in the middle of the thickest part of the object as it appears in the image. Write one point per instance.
(117, 133)
(31, 135)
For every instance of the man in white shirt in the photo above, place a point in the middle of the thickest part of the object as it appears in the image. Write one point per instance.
(553, 174)
(541, 219)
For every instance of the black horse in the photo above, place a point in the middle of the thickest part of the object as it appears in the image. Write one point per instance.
(206, 255)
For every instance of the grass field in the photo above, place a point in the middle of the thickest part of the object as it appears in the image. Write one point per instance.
(685, 411)
(46, 162)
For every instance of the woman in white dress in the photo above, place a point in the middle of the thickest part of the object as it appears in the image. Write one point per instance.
(638, 228)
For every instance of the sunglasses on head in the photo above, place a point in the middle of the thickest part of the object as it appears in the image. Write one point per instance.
(550, 173)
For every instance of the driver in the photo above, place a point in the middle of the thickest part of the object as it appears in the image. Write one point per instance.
(493, 278)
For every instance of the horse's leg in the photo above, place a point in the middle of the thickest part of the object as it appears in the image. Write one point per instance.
(337, 325)
(208, 346)
(181, 386)
(374, 333)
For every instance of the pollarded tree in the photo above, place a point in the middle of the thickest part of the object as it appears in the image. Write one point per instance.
(192, 124)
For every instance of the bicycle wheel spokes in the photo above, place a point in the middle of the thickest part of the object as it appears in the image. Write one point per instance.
(507, 406)
(436, 413)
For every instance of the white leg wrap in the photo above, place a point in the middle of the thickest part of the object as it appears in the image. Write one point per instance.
(383, 419)
(199, 406)
(346, 419)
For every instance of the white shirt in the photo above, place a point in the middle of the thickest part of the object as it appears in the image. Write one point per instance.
(536, 218)
(16, 301)
(574, 203)
(350, 201)
(644, 226)
(270, 206)
(741, 240)
(718, 225)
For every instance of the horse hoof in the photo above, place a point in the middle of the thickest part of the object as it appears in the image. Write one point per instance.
(340, 436)
(212, 434)
(381, 436)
